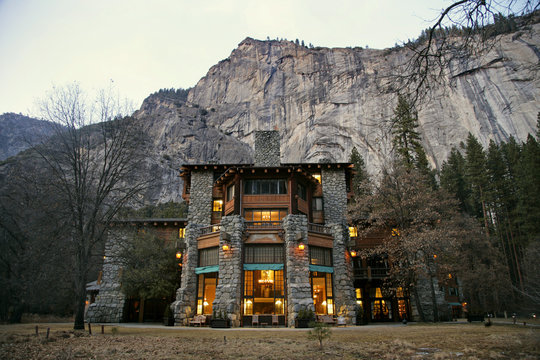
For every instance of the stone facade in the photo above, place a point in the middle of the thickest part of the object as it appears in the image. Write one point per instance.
(184, 306)
(200, 200)
(424, 291)
(109, 305)
(299, 294)
(335, 195)
(229, 285)
(267, 151)
(344, 296)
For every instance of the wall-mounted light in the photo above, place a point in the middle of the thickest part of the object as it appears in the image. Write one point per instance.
(353, 253)
(225, 247)
(178, 254)
(301, 246)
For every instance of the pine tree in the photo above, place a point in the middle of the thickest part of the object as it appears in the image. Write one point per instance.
(407, 142)
(475, 170)
(361, 177)
(453, 179)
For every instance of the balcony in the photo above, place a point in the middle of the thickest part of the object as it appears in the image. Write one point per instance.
(263, 225)
(370, 273)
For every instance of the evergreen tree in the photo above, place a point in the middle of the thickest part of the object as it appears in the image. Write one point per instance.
(453, 179)
(475, 171)
(407, 142)
(360, 181)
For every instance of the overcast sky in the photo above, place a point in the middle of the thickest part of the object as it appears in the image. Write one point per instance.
(143, 46)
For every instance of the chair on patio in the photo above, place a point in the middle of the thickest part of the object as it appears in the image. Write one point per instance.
(255, 320)
(275, 320)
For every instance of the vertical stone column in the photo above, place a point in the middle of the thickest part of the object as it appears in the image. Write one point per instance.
(109, 305)
(267, 148)
(334, 194)
(423, 287)
(229, 288)
(186, 296)
(344, 295)
(200, 198)
(298, 288)
(200, 214)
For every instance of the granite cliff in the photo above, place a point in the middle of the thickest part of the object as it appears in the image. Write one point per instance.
(325, 101)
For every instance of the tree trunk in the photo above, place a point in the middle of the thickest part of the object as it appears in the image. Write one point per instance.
(433, 297)
(418, 305)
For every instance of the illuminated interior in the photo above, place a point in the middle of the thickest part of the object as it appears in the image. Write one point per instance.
(321, 284)
(263, 292)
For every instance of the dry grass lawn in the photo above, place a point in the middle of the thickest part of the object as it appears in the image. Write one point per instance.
(422, 341)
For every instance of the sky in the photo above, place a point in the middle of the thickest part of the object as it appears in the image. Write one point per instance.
(142, 46)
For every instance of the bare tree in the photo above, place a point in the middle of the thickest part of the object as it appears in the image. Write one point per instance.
(93, 163)
(462, 31)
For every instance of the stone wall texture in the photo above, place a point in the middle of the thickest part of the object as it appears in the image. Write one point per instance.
(298, 287)
(267, 152)
(334, 190)
(423, 287)
(184, 306)
(344, 295)
(200, 199)
(109, 305)
(229, 288)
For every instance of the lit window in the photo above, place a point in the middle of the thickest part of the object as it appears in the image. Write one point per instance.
(317, 177)
(353, 232)
(217, 205)
(181, 233)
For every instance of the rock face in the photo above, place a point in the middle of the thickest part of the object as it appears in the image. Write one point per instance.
(19, 132)
(325, 101)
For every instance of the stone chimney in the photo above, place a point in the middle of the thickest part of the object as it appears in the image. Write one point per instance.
(267, 151)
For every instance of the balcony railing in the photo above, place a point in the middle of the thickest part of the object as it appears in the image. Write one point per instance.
(371, 273)
(210, 229)
(263, 225)
(322, 229)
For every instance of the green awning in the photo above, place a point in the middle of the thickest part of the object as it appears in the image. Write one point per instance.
(206, 269)
(320, 268)
(263, 266)
(454, 304)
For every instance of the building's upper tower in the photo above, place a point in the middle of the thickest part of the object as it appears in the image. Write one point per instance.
(267, 151)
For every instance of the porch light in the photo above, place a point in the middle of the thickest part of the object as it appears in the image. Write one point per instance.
(278, 302)
(434, 256)
(178, 254)
(301, 246)
(353, 253)
(225, 247)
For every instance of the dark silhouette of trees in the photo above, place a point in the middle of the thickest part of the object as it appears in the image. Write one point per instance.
(93, 165)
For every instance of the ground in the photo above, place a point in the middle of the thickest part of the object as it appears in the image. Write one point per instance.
(393, 341)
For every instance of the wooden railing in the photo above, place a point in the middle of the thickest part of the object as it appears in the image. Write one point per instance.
(273, 225)
(210, 229)
(322, 229)
(371, 273)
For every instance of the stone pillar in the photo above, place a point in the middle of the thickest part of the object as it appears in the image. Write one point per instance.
(186, 296)
(298, 287)
(109, 305)
(334, 194)
(200, 198)
(229, 289)
(423, 288)
(267, 151)
(344, 295)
